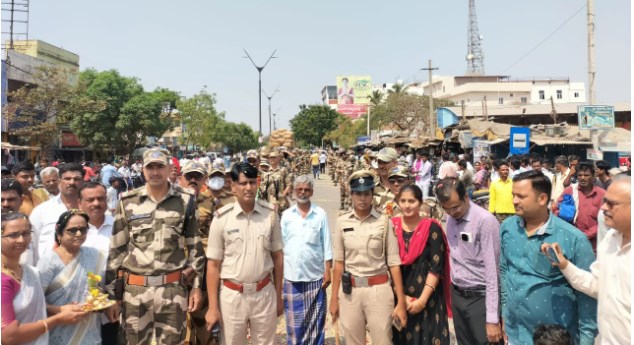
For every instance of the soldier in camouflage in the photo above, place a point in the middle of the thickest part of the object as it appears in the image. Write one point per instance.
(387, 159)
(155, 249)
(194, 176)
(280, 179)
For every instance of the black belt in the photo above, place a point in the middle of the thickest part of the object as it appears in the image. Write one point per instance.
(478, 291)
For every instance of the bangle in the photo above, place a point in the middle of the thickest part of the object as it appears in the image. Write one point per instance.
(433, 288)
(45, 326)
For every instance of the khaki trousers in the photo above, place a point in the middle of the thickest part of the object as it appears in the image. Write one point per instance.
(258, 310)
(371, 306)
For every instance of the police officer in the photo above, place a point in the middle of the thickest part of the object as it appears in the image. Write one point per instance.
(217, 186)
(398, 177)
(365, 249)
(194, 176)
(244, 249)
(155, 226)
(281, 178)
(387, 159)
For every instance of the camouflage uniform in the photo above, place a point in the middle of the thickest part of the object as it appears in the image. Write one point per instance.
(347, 170)
(150, 239)
(273, 185)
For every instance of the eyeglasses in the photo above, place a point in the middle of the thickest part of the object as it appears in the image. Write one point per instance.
(14, 236)
(73, 231)
(611, 203)
(303, 190)
(196, 177)
(400, 180)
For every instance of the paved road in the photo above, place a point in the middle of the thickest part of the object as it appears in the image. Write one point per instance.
(326, 195)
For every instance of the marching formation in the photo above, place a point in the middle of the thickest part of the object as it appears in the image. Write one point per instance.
(205, 251)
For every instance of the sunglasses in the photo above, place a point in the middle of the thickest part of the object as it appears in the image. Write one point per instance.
(73, 231)
(400, 180)
(196, 177)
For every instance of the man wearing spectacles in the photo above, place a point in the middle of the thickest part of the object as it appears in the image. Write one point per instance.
(45, 216)
(473, 236)
(244, 250)
(307, 264)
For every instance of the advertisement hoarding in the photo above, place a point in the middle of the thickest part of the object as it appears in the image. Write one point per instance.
(595, 116)
(353, 95)
(480, 148)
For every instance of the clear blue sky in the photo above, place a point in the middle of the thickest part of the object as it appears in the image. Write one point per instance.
(183, 45)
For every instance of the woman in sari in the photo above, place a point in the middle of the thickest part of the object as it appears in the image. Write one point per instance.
(24, 318)
(64, 275)
(425, 268)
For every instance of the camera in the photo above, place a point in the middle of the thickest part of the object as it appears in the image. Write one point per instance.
(346, 283)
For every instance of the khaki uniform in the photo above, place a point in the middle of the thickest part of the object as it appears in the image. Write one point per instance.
(370, 249)
(244, 243)
(272, 186)
(382, 194)
(154, 239)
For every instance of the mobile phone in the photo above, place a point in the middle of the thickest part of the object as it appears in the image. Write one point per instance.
(552, 255)
(396, 322)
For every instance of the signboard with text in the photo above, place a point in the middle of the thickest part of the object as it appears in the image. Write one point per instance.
(69, 139)
(520, 140)
(353, 95)
(594, 155)
(595, 116)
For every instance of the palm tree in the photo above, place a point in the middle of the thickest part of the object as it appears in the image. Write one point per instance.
(398, 88)
(375, 97)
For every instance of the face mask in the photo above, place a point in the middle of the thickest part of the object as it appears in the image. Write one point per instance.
(216, 183)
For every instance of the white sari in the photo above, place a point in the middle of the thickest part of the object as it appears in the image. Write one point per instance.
(29, 304)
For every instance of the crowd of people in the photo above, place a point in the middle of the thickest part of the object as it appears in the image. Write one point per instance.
(200, 251)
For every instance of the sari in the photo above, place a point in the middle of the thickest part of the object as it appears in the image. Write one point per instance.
(29, 304)
(65, 284)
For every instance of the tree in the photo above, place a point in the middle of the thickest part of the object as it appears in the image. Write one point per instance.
(404, 110)
(200, 118)
(237, 136)
(131, 114)
(398, 88)
(375, 98)
(36, 111)
(313, 122)
(347, 131)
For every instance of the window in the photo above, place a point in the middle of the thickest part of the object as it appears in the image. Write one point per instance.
(501, 100)
(523, 100)
(559, 94)
(576, 94)
(541, 94)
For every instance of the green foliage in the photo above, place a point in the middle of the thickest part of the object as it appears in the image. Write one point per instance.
(237, 136)
(347, 131)
(404, 110)
(130, 114)
(313, 122)
(201, 120)
(36, 111)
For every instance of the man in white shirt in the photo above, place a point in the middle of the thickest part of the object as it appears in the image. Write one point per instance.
(92, 200)
(45, 216)
(537, 165)
(610, 276)
(421, 169)
(561, 165)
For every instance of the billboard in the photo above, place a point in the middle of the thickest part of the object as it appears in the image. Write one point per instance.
(353, 95)
(595, 116)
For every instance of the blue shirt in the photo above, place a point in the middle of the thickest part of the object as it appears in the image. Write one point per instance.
(107, 171)
(534, 292)
(307, 244)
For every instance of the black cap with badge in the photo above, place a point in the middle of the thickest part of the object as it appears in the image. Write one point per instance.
(361, 180)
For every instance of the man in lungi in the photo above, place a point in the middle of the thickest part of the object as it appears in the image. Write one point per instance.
(307, 264)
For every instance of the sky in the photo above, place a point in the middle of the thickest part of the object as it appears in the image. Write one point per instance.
(187, 45)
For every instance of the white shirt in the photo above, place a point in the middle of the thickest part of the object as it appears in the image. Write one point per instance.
(112, 199)
(124, 172)
(323, 158)
(610, 282)
(43, 220)
(558, 184)
(100, 238)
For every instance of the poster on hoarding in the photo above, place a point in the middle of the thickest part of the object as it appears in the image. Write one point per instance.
(595, 116)
(481, 148)
(353, 95)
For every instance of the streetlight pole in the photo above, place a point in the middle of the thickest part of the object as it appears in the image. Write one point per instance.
(270, 97)
(260, 69)
(274, 127)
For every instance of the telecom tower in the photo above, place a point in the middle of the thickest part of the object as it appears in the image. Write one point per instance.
(475, 57)
(15, 22)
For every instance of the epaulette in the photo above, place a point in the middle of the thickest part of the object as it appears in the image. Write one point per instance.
(345, 213)
(224, 209)
(131, 193)
(266, 204)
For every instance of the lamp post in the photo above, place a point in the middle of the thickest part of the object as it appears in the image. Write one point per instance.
(260, 69)
(274, 127)
(270, 97)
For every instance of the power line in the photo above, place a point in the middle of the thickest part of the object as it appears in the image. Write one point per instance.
(545, 39)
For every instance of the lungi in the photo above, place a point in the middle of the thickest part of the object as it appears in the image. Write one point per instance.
(305, 308)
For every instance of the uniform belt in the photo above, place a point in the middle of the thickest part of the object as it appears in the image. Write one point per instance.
(369, 281)
(247, 288)
(479, 291)
(164, 279)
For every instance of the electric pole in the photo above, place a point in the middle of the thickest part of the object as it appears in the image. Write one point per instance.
(270, 97)
(432, 122)
(260, 69)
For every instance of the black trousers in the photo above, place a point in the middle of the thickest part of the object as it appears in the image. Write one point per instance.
(110, 333)
(469, 319)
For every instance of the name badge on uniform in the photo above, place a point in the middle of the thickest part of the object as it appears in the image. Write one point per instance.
(139, 216)
(348, 229)
(233, 231)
